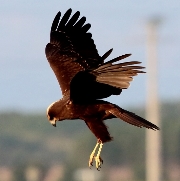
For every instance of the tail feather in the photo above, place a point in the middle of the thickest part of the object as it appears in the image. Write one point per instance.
(132, 118)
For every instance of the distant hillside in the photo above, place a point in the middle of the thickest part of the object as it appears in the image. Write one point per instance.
(30, 139)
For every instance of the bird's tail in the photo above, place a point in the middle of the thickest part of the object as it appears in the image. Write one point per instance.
(117, 75)
(132, 118)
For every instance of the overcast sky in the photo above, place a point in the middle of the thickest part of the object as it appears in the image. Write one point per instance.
(28, 83)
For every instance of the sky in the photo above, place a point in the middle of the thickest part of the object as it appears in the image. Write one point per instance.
(26, 80)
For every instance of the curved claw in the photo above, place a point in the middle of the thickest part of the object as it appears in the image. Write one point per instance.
(91, 161)
(99, 162)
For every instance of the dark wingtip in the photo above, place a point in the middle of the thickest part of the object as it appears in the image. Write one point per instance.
(56, 21)
(106, 54)
(69, 10)
(86, 27)
(156, 128)
(77, 13)
(128, 54)
(64, 19)
(118, 58)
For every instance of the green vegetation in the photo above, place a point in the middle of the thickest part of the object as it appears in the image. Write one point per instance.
(31, 140)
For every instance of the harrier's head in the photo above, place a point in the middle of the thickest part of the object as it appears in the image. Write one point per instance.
(51, 114)
(58, 111)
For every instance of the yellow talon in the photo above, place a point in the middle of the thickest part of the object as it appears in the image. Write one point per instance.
(97, 158)
(92, 156)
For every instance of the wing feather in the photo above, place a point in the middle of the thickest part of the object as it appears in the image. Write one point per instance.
(64, 19)
(71, 48)
(56, 21)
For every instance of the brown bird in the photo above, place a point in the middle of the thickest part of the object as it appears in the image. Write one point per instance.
(85, 78)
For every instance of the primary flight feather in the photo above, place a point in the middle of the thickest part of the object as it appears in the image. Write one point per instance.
(85, 78)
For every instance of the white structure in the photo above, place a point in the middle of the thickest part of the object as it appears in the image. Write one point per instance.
(153, 138)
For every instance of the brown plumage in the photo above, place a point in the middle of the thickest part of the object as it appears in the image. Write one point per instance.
(85, 78)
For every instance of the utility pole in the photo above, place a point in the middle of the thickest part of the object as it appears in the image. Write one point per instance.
(153, 138)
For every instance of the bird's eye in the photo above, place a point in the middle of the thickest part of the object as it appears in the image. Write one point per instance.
(50, 117)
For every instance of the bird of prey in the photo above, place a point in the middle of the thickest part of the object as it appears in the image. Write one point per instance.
(85, 78)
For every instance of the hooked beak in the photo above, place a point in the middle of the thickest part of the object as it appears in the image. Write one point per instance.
(53, 122)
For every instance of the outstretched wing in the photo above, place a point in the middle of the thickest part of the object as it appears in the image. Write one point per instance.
(71, 48)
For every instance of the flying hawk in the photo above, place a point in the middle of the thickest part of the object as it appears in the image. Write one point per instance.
(85, 78)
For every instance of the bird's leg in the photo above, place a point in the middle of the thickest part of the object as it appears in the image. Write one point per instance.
(98, 159)
(92, 155)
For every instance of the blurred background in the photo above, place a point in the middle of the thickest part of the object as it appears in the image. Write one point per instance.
(30, 148)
